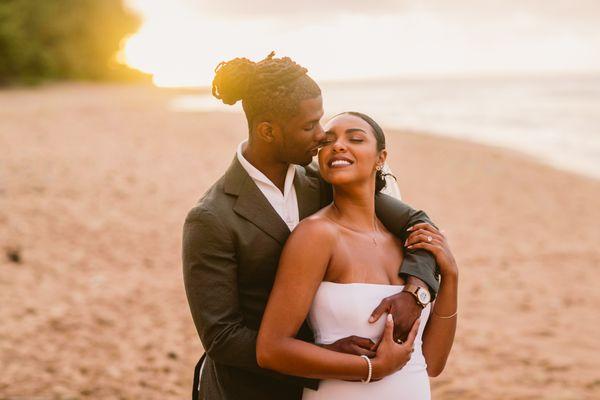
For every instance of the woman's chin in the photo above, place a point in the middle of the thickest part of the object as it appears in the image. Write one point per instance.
(339, 179)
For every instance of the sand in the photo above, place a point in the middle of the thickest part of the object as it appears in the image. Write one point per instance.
(95, 181)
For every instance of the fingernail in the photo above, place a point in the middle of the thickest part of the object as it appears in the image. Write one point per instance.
(390, 318)
(410, 229)
(410, 247)
(371, 318)
(406, 242)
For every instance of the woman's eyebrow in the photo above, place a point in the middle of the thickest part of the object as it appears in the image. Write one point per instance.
(355, 130)
(349, 130)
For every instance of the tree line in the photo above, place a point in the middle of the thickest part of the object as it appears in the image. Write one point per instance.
(64, 39)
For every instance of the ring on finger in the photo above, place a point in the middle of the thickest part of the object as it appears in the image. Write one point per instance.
(429, 238)
(399, 341)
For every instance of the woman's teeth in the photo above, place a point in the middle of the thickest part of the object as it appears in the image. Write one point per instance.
(340, 163)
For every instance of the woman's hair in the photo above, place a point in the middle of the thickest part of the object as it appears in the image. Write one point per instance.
(270, 88)
(380, 142)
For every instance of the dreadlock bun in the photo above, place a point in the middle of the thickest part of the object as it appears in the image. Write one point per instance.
(232, 80)
(240, 78)
(270, 89)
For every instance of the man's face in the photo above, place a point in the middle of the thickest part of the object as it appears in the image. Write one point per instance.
(303, 133)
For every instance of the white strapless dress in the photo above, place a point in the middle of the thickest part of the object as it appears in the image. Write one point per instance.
(341, 310)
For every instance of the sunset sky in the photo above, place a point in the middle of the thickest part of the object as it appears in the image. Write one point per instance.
(181, 41)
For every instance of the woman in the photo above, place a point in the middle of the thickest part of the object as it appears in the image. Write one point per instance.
(337, 266)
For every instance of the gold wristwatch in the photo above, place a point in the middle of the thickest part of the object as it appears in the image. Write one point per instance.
(421, 294)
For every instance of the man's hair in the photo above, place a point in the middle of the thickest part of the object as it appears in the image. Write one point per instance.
(270, 88)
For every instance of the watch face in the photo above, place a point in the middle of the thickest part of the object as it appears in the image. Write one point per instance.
(423, 295)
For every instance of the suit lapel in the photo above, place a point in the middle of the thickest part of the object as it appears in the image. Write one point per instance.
(307, 192)
(252, 204)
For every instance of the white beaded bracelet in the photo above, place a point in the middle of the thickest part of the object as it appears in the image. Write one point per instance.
(370, 369)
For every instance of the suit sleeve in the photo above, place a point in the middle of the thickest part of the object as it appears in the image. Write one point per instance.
(210, 278)
(397, 216)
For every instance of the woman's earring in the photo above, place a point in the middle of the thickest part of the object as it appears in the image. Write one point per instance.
(378, 168)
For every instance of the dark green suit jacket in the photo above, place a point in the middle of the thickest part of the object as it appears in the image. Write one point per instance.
(232, 241)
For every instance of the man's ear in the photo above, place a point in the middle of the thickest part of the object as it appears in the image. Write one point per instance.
(264, 131)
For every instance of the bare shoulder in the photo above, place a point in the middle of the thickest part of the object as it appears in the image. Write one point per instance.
(316, 228)
(309, 248)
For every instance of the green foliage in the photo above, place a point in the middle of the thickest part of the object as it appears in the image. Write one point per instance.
(63, 39)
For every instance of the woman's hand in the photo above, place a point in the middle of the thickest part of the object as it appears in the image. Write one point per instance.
(427, 237)
(392, 356)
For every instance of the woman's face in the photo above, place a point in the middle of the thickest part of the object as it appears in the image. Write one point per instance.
(349, 153)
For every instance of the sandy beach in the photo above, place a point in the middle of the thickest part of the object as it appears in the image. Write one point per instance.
(96, 180)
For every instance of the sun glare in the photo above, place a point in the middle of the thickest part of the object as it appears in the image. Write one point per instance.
(181, 47)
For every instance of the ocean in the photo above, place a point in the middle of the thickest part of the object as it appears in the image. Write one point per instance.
(553, 119)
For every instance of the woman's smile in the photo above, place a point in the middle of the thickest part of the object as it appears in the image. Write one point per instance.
(339, 162)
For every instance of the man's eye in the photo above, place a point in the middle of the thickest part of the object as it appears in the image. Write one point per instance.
(309, 128)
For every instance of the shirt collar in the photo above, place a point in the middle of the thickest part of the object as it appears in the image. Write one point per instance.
(256, 175)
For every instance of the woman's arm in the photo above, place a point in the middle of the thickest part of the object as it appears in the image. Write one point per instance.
(301, 270)
(302, 267)
(441, 327)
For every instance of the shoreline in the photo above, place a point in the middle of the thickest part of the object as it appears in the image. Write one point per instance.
(538, 159)
(96, 181)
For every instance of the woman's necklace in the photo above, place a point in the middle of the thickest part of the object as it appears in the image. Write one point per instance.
(371, 234)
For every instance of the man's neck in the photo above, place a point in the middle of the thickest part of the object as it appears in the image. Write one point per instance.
(274, 170)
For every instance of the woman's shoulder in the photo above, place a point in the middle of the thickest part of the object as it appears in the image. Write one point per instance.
(318, 225)
(311, 243)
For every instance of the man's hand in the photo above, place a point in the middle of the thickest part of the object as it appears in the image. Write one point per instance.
(353, 345)
(404, 309)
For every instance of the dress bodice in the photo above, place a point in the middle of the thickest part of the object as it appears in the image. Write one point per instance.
(341, 310)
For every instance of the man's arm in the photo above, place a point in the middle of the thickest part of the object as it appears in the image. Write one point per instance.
(397, 218)
(210, 278)
(418, 267)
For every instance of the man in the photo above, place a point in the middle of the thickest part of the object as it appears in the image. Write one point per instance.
(234, 236)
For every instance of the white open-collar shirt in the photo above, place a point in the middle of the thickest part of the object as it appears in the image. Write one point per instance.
(286, 203)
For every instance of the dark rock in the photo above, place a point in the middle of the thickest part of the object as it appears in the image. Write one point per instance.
(14, 255)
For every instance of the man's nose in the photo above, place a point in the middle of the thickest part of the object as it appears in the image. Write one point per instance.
(319, 134)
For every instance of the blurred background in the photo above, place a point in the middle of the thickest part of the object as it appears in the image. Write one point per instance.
(109, 134)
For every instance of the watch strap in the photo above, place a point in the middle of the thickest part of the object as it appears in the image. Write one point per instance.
(409, 287)
(413, 289)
